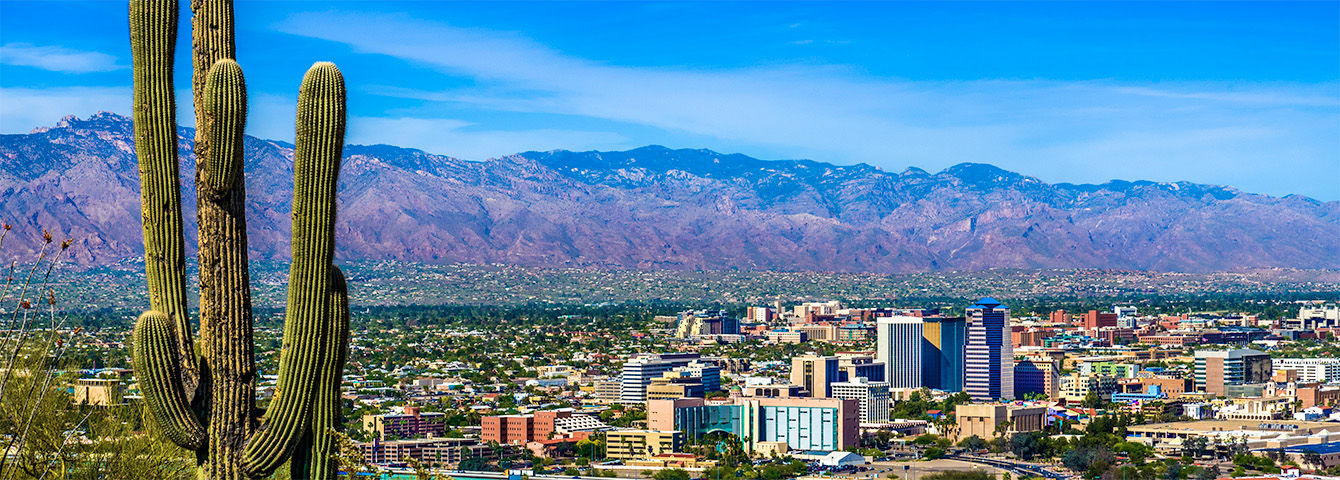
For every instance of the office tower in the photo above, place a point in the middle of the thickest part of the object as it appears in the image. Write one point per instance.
(641, 369)
(1216, 370)
(816, 374)
(873, 397)
(860, 366)
(899, 346)
(1035, 376)
(988, 370)
(942, 352)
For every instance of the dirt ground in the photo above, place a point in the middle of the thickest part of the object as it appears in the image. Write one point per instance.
(881, 470)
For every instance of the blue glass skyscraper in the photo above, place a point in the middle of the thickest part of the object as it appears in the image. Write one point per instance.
(988, 372)
(943, 352)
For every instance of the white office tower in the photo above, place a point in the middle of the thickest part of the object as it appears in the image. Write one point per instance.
(874, 398)
(639, 370)
(898, 345)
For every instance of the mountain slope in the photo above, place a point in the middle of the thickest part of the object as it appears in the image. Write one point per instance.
(654, 207)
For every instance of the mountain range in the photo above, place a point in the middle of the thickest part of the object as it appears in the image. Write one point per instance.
(655, 207)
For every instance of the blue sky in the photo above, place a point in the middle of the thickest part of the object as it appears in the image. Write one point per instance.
(1243, 94)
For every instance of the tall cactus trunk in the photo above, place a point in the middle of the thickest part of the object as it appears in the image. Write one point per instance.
(229, 370)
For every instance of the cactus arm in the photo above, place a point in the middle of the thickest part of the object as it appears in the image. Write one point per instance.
(212, 39)
(153, 37)
(157, 369)
(316, 165)
(229, 369)
(314, 458)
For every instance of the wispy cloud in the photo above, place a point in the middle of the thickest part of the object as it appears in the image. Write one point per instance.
(1060, 131)
(463, 139)
(57, 58)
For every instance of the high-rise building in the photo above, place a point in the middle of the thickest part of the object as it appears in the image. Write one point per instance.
(988, 371)
(1037, 376)
(641, 369)
(816, 374)
(942, 352)
(873, 396)
(860, 366)
(1218, 369)
(1095, 320)
(899, 346)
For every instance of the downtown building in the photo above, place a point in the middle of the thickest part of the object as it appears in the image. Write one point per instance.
(922, 351)
(1219, 371)
(816, 424)
(942, 352)
(873, 398)
(640, 370)
(988, 371)
(899, 347)
(1310, 370)
(816, 374)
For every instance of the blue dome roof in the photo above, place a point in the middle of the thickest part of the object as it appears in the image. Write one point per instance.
(987, 302)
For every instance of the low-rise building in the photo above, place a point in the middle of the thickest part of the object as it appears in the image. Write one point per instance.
(413, 423)
(1257, 434)
(521, 429)
(642, 443)
(984, 419)
(803, 423)
(98, 392)
(435, 452)
(1076, 387)
(1310, 370)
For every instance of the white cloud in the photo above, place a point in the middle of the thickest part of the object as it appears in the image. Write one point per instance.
(1273, 138)
(458, 138)
(56, 58)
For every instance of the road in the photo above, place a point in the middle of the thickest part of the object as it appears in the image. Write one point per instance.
(1021, 468)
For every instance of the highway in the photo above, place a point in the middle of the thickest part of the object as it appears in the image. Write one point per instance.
(1024, 469)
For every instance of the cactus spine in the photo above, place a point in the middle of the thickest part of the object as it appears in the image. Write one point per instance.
(207, 404)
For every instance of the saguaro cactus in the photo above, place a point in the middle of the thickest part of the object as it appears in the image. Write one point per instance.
(207, 404)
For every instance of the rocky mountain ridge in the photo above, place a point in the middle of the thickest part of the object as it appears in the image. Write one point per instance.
(654, 207)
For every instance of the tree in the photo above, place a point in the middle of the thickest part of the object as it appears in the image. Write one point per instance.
(670, 474)
(1092, 400)
(1029, 445)
(1208, 473)
(973, 443)
(1312, 459)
